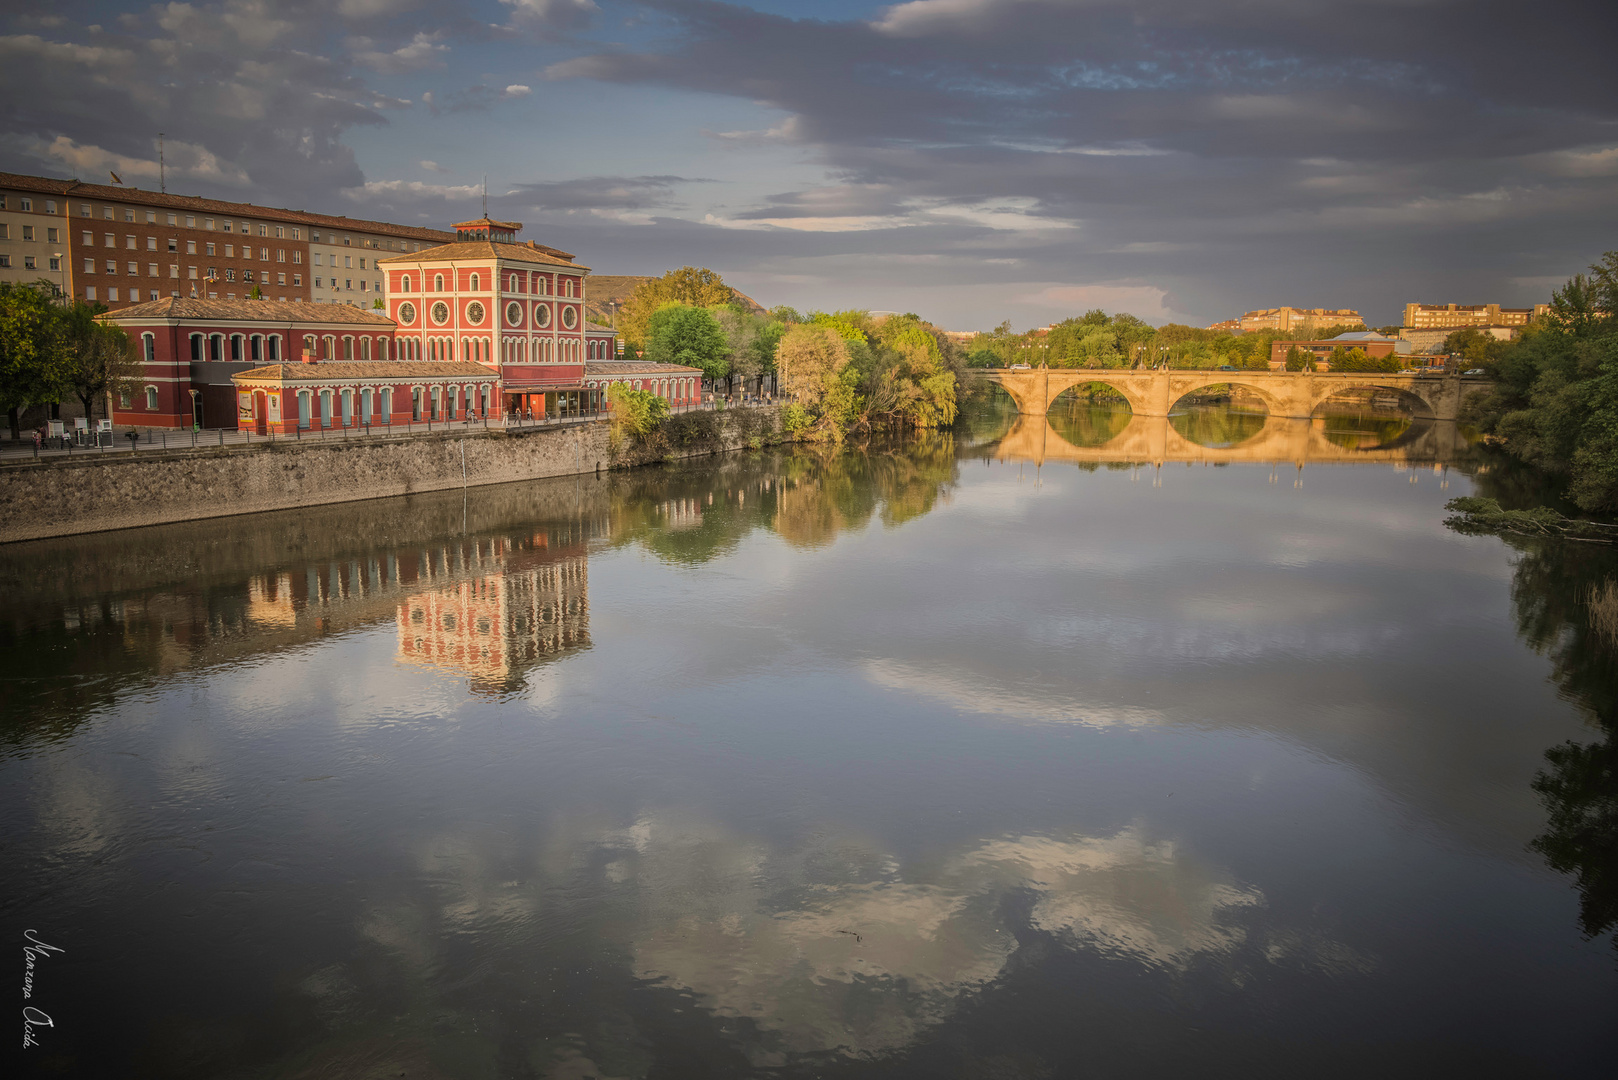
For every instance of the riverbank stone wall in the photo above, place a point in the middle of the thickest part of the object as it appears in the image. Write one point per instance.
(69, 496)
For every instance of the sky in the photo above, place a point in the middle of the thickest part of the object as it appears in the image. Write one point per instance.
(969, 160)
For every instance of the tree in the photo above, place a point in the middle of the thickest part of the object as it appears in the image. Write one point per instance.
(31, 356)
(255, 293)
(99, 358)
(1555, 401)
(680, 334)
(1300, 360)
(692, 286)
(810, 359)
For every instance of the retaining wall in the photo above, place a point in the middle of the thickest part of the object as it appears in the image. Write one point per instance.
(64, 497)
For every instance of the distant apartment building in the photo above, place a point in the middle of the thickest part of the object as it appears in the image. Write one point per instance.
(118, 246)
(1456, 316)
(1291, 318)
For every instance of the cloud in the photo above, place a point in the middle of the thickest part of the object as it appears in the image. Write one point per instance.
(551, 16)
(517, 91)
(421, 52)
(432, 166)
(1202, 146)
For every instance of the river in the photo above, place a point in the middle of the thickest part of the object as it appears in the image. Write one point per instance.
(912, 760)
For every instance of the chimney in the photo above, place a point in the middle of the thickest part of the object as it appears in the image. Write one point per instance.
(309, 356)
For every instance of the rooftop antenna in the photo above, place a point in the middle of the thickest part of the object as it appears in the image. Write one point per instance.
(485, 194)
(162, 175)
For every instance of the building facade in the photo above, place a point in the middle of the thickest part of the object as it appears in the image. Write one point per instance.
(680, 385)
(117, 246)
(517, 308)
(1375, 347)
(1457, 316)
(1290, 318)
(321, 396)
(191, 349)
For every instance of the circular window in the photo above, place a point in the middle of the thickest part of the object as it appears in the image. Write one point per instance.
(542, 315)
(440, 313)
(407, 313)
(474, 313)
(513, 314)
(570, 317)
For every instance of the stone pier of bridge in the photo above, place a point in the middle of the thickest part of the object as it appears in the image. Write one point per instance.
(1287, 394)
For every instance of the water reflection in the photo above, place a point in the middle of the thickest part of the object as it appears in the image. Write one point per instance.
(1565, 597)
(1222, 435)
(880, 763)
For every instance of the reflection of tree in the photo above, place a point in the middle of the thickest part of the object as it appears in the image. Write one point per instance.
(1356, 431)
(1219, 425)
(808, 496)
(1551, 592)
(1085, 421)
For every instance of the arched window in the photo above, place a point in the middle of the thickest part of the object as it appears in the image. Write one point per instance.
(404, 283)
(348, 408)
(236, 341)
(387, 405)
(196, 347)
(476, 283)
(542, 285)
(438, 283)
(309, 343)
(275, 348)
(514, 280)
(415, 403)
(348, 347)
(303, 409)
(325, 408)
(365, 348)
(365, 406)
(148, 347)
(151, 398)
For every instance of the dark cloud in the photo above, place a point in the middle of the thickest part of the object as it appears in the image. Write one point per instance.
(1242, 151)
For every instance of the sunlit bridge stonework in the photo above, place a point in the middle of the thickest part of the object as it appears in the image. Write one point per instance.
(1284, 394)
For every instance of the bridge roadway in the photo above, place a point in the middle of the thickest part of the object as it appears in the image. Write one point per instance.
(1153, 440)
(1290, 394)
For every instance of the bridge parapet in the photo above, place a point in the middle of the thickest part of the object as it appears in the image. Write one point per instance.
(1290, 394)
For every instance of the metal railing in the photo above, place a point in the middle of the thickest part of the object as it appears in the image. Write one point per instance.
(158, 441)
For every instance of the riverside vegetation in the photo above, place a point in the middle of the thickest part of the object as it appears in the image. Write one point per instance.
(52, 349)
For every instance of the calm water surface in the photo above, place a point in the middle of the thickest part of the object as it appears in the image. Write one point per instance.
(904, 762)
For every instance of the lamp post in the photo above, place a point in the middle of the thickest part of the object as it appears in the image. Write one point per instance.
(196, 410)
(61, 272)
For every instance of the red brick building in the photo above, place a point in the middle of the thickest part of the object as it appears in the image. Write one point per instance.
(118, 245)
(191, 349)
(316, 395)
(516, 307)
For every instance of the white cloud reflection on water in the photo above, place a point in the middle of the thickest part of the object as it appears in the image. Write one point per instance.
(716, 915)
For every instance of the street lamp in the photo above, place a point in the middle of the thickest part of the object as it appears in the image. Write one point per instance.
(56, 264)
(196, 410)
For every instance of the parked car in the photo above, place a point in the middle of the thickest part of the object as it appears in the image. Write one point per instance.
(1226, 367)
(1019, 367)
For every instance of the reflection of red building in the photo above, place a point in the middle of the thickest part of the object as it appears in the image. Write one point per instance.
(495, 626)
(516, 308)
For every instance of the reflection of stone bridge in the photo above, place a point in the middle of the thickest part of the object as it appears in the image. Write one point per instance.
(1284, 393)
(1153, 440)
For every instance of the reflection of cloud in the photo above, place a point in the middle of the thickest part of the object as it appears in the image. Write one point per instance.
(1130, 896)
(834, 950)
(994, 699)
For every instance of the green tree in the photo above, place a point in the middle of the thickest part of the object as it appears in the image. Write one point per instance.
(255, 293)
(1300, 359)
(692, 286)
(31, 354)
(1555, 400)
(98, 358)
(680, 334)
(635, 412)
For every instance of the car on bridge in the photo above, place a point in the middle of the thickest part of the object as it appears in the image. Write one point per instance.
(1225, 367)
(1474, 371)
(1019, 367)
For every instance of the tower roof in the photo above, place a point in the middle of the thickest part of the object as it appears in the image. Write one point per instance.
(486, 228)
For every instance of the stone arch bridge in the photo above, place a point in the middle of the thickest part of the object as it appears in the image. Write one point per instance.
(1288, 394)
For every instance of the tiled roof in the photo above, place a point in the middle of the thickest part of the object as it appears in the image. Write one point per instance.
(598, 328)
(608, 368)
(110, 193)
(177, 307)
(487, 249)
(343, 370)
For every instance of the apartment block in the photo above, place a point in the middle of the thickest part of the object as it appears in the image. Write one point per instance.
(119, 245)
(1456, 316)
